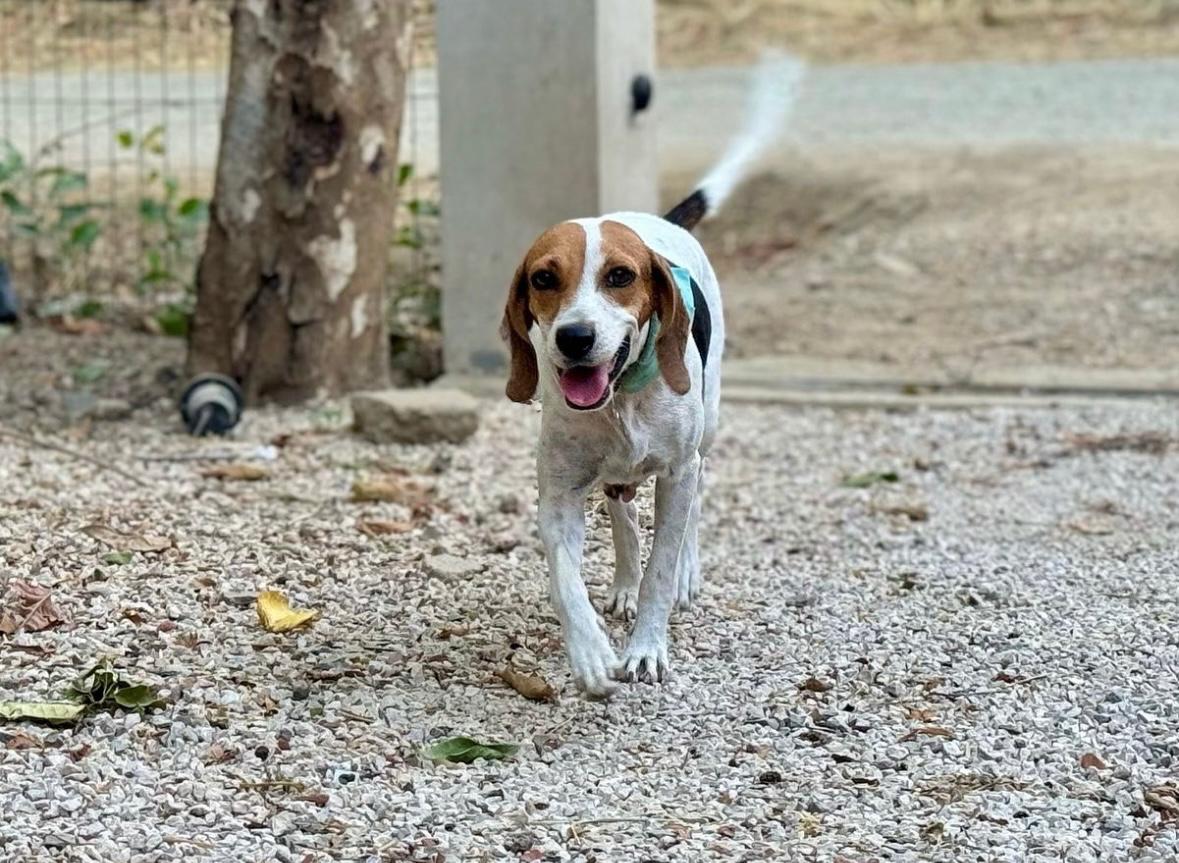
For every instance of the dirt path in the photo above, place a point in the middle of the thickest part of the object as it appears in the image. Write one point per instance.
(1021, 255)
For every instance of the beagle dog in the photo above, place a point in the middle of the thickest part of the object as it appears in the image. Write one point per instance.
(617, 322)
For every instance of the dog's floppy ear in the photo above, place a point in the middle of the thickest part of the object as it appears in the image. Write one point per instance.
(522, 375)
(674, 327)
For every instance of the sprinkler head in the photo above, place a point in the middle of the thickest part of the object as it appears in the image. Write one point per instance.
(211, 404)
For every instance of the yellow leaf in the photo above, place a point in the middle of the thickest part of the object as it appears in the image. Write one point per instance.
(276, 614)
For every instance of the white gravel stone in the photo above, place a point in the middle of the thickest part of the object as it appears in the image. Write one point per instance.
(996, 621)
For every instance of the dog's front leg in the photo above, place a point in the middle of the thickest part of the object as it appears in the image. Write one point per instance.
(646, 652)
(562, 530)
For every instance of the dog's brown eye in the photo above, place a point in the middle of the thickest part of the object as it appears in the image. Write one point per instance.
(619, 277)
(543, 280)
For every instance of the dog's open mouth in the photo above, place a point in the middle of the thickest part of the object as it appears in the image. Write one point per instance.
(588, 387)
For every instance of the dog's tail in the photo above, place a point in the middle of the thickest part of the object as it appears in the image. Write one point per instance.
(775, 87)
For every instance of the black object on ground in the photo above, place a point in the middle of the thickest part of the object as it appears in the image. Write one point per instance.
(211, 404)
(9, 304)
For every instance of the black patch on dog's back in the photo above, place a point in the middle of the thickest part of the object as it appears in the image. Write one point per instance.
(701, 325)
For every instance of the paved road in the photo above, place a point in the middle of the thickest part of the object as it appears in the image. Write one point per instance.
(1124, 101)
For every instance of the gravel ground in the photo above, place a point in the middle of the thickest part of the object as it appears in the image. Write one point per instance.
(859, 683)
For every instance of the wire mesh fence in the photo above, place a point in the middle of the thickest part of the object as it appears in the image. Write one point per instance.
(109, 114)
(110, 117)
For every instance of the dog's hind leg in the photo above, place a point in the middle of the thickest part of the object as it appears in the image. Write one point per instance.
(646, 655)
(623, 599)
(688, 577)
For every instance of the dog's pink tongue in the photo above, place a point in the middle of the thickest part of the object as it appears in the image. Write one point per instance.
(584, 386)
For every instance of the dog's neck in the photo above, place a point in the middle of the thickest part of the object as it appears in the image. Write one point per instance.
(645, 368)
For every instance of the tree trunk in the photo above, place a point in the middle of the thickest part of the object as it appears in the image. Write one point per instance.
(290, 289)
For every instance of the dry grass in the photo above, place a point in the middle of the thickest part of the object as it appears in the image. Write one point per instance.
(43, 34)
(38, 35)
(695, 32)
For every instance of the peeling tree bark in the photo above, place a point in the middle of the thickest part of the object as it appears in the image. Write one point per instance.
(290, 288)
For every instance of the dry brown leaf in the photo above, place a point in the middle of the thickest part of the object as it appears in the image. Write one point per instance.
(392, 489)
(1153, 443)
(219, 754)
(125, 541)
(22, 741)
(921, 714)
(813, 684)
(80, 752)
(276, 615)
(384, 528)
(72, 326)
(927, 731)
(531, 686)
(319, 798)
(28, 606)
(1092, 759)
(237, 471)
(1163, 799)
(448, 632)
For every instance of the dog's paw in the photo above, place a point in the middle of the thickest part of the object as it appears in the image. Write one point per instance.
(687, 588)
(645, 661)
(592, 661)
(622, 601)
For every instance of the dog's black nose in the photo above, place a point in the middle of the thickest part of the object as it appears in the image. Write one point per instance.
(575, 340)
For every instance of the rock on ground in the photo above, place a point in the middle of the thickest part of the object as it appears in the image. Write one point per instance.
(415, 416)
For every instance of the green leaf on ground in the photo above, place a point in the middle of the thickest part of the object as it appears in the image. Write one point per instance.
(141, 697)
(864, 480)
(464, 750)
(53, 712)
(104, 688)
(117, 558)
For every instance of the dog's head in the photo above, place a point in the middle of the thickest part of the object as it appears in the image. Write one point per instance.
(591, 287)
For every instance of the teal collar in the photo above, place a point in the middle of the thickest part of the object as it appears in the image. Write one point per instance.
(646, 368)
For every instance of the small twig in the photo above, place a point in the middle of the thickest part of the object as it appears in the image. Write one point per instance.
(213, 455)
(81, 456)
(585, 822)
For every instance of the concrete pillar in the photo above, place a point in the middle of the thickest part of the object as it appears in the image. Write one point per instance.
(536, 126)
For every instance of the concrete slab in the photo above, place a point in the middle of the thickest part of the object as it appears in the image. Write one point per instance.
(861, 385)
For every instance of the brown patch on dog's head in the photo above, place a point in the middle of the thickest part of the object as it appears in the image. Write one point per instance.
(624, 250)
(652, 291)
(631, 275)
(558, 255)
